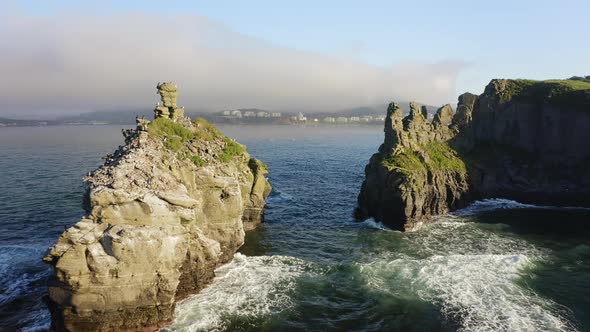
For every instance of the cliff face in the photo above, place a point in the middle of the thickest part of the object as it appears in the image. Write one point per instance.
(164, 211)
(415, 174)
(529, 141)
(520, 139)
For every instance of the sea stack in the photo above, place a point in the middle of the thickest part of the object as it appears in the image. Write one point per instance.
(521, 139)
(165, 209)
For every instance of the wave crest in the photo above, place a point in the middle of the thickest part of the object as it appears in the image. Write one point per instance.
(248, 288)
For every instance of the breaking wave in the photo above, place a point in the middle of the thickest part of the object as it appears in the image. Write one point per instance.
(473, 281)
(372, 223)
(23, 275)
(246, 289)
(479, 292)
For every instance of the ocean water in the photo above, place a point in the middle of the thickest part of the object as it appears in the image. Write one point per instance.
(495, 266)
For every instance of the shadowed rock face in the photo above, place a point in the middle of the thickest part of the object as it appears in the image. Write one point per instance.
(523, 140)
(164, 211)
(529, 141)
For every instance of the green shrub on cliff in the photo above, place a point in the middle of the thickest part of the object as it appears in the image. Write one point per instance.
(174, 143)
(163, 127)
(443, 157)
(206, 131)
(177, 135)
(406, 162)
(438, 156)
(198, 161)
(231, 149)
(560, 92)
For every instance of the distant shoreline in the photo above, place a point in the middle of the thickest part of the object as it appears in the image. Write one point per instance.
(33, 124)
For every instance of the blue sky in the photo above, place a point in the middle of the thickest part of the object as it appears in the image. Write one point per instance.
(510, 39)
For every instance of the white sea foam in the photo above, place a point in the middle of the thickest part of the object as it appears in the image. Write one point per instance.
(477, 290)
(372, 223)
(249, 287)
(21, 271)
(492, 204)
(15, 277)
(500, 203)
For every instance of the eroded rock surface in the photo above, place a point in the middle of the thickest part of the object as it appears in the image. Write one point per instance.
(520, 139)
(164, 211)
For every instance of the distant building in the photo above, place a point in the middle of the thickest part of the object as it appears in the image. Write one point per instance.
(316, 120)
(342, 119)
(275, 114)
(355, 119)
(236, 114)
(367, 118)
(329, 119)
(301, 117)
(249, 114)
(380, 118)
(226, 113)
(262, 114)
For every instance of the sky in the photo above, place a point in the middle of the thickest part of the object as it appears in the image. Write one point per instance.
(68, 57)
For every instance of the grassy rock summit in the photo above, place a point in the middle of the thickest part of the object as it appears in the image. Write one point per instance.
(163, 212)
(521, 139)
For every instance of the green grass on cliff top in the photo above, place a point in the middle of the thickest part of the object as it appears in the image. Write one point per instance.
(407, 162)
(440, 157)
(556, 91)
(163, 127)
(178, 135)
(443, 157)
(231, 149)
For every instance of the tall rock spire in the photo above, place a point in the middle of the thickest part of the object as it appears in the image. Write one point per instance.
(168, 93)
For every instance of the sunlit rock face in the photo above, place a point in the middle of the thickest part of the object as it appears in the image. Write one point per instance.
(168, 94)
(164, 211)
(520, 139)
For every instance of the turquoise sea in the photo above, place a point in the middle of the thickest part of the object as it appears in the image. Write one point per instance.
(496, 265)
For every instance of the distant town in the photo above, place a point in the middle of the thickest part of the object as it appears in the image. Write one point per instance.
(254, 116)
(264, 117)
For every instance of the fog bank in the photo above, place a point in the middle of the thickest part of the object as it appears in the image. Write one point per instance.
(73, 63)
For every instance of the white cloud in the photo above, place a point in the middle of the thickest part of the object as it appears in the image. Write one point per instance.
(70, 63)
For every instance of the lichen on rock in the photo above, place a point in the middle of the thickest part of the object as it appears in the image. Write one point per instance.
(163, 212)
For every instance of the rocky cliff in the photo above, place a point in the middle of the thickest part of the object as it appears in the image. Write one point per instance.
(520, 139)
(164, 211)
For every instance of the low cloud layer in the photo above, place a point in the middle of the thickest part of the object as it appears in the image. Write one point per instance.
(74, 63)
